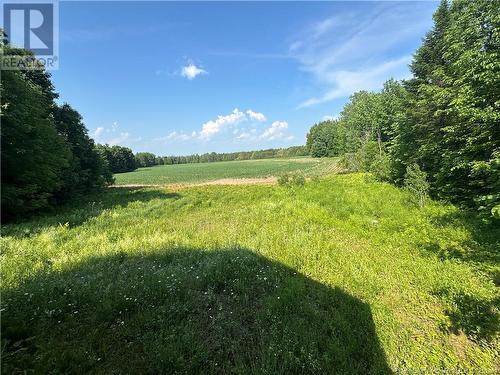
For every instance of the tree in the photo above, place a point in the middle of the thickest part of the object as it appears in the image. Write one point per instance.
(469, 172)
(416, 183)
(145, 159)
(86, 170)
(326, 139)
(426, 108)
(120, 159)
(34, 155)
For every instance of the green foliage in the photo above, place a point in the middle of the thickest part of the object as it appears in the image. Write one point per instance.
(146, 159)
(47, 155)
(34, 155)
(381, 167)
(119, 159)
(325, 139)
(291, 179)
(227, 279)
(416, 183)
(284, 179)
(87, 169)
(293, 151)
(351, 162)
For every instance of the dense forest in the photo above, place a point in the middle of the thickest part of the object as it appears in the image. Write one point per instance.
(442, 124)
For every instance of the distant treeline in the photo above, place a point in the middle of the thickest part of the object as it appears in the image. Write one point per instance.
(47, 155)
(444, 121)
(147, 159)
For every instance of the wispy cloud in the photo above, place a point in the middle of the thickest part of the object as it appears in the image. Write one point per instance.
(352, 51)
(346, 82)
(98, 132)
(113, 136)
(191, 71)
(120, 139)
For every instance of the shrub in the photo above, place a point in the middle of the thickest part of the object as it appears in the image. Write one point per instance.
(416, 182)
(293, 179)
(381, 167)
(298, 179)
(284, 179)
(351, 162)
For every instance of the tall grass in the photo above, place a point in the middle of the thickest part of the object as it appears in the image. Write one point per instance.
(341, 275)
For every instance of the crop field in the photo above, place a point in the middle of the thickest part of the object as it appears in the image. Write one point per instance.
(343, 275)
(201, 172)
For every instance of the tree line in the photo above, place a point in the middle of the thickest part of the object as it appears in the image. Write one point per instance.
(147, 159)
(47, 154)
(444, 121)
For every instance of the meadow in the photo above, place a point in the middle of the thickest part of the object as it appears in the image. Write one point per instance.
(202, 172)
(343, 275)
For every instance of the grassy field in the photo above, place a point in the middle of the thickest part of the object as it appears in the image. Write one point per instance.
(200, 172)
(341, 276)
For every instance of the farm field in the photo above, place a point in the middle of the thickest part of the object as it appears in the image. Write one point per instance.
(202, 172)
(340, 276)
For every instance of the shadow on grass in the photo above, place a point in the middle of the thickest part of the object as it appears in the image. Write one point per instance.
(477, 317)
(79, 211)
(481, 248)
(186, 311)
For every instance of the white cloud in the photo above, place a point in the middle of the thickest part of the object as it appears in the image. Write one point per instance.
(244, 135)
(353, 51)
(111, 135)
(176, 136)
(98, 132)
(212, 127)
(230, 126)
(275, 131)
(256, 116)
(191, 71)
(347, 82)
(120, 139)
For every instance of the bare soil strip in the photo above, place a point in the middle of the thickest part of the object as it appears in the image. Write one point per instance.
(223, 181)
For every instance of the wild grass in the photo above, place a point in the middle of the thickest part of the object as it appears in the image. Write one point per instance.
(342, 275)
(201, 172)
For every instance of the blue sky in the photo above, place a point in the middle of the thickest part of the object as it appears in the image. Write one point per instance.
(182, 78)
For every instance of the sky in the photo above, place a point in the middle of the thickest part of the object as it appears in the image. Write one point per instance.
(182, 78)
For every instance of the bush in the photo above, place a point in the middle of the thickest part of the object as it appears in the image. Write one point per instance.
(283, 180)
(298, 179)
(416, 183)
(351, 162)
(292, 179)
(381, 167)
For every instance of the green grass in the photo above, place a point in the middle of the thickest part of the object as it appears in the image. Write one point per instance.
(342, 276)
(201, 172)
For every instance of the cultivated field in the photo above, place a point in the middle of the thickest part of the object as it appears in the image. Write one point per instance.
(202, 172)
(340, 276)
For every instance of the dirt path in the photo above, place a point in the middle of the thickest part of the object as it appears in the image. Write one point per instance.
(223, 181)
